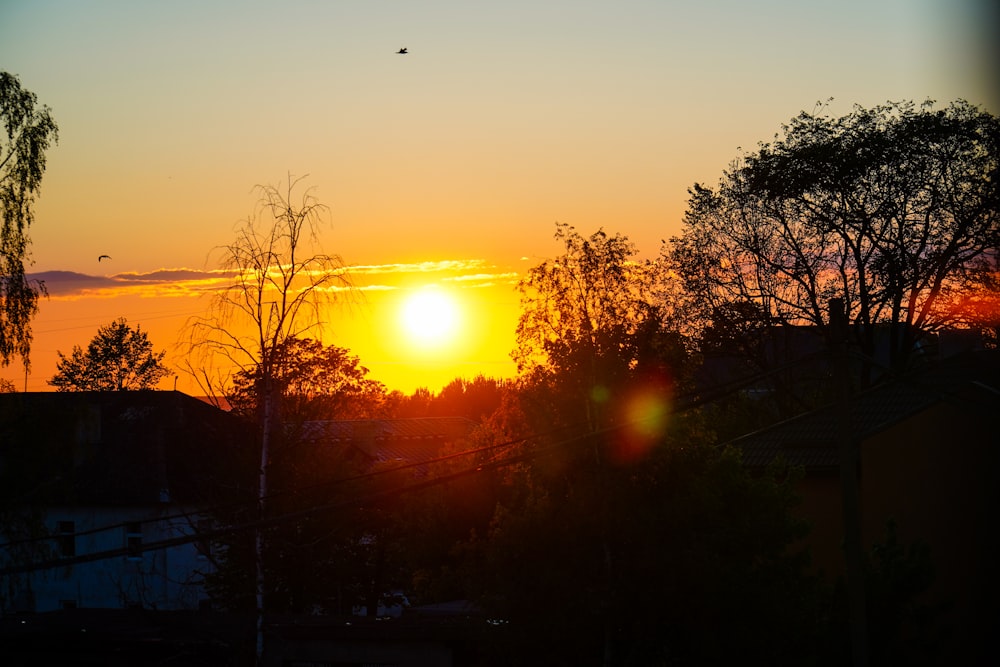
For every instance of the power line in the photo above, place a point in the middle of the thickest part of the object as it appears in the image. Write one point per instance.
(683, 403)
(351, 503)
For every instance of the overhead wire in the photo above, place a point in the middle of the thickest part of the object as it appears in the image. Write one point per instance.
(695, 400)
(685, 402)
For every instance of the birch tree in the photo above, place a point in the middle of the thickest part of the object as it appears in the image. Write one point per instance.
(279, 286)
(28, 130)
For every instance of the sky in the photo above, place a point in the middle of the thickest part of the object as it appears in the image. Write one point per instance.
(446, 168)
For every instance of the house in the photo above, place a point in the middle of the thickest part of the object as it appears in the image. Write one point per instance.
(793, 359)
(929, 445)
(103, 497)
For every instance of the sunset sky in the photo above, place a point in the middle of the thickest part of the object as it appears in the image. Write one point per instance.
(448, 166)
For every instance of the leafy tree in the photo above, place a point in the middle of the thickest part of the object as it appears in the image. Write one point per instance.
(590, 322)
(599, 358)
(475, 399)
(622, 535)
(281, 282)
(119, 358)
(29, 131)
(682, 558)
(888, 208)
(312, 381)
(975, 303)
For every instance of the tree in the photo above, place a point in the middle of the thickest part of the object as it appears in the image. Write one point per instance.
(119, 358)
(703, 565)
(29, 131)
(976, 301)
(590, 321)
(599, 358)
(888, 208)
(313, 381)
(474, 399)
(281, 281)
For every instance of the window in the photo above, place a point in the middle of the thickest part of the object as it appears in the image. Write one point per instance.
(133, 540)
(66, 538)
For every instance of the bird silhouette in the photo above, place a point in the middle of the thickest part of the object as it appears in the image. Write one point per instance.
(403, 51)
(103, 257)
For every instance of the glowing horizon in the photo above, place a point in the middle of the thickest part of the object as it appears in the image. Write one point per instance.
(366, 322)
(502, 120)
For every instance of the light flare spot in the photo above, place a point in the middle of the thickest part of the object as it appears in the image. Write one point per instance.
(645, 415)
(600, 394)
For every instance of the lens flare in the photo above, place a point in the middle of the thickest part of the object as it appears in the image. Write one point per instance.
(645, 415)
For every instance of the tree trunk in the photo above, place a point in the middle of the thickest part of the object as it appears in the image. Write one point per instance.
(849, 463)
(265, 446)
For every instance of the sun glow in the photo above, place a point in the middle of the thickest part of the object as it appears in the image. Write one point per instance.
(430, 317)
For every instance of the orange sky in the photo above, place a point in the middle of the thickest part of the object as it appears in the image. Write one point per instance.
(449, 165)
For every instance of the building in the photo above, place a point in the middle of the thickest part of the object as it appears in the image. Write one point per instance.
(929, 444)
(104, 497)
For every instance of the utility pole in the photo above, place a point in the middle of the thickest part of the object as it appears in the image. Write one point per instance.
(849, 488)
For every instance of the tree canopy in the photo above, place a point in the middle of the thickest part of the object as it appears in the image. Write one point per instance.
(313, 381)
(891, 208)
(28, 132)
(119, 358)
(281, 281)
(591, 321)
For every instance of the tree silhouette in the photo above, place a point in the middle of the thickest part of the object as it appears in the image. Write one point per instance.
(29, 131)
(888, 208)
(119, 358)
(591, 321)
(280, 283)
(312, 381)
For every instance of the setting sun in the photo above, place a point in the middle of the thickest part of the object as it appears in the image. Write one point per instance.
(429, 317)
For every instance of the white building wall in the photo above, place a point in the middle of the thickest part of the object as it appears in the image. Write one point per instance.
(161, 579)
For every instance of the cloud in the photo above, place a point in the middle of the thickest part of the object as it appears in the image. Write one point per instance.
(162, 282)
(185, 282)
(491, 278)
(170, 275)
(441, 266)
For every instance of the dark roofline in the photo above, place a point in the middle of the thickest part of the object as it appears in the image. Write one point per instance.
(117, 448)
(810, 439)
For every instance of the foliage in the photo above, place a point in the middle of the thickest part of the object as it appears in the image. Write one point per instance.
(474, 399)
(901, 625)
(758, 373)
(281, 283)
(682, 558)
(313, 381)
(887, 207)
(589, 323)
(906, 625)
(975, 303)
(29, 130)
(118, 358)
(622, 535)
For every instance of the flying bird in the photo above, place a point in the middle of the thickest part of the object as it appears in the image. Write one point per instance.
(403, 51)
(103, 257)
